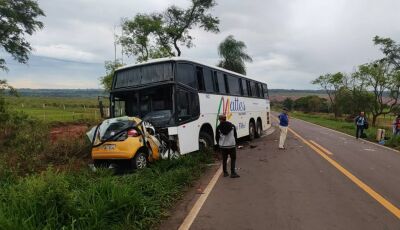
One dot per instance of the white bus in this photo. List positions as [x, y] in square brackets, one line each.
[183, 98]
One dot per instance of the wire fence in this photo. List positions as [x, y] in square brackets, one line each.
[63, 113]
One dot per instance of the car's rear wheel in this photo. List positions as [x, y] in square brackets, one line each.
[139, 161]
[205, 141]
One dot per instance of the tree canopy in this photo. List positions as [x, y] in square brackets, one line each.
[18, 18]
[110, 66]
[233, 55]
[332, 83]
[390, 49]
[158, 35]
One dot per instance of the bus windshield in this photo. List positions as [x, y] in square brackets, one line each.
[142, 75]
[152, 104]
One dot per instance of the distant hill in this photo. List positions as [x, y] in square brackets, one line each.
[76, 93]
[282, 94]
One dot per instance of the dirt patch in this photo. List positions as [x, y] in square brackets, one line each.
[68, 131]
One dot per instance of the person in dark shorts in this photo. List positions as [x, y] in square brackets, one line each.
[226, 139]
[361, 122]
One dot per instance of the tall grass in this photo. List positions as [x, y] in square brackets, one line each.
[88, 200]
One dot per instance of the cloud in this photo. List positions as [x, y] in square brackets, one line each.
[66, 52]
[291, 42]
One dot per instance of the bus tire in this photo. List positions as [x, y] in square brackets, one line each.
[252, 131]
[258, 129]
[139, 161]
[205, 141]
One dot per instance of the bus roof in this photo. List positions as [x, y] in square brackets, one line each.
[158, 60]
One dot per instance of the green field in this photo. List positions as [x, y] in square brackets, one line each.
[57, 109]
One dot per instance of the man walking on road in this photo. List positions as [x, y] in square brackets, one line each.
[360, 121]
[283, 126]
[226, 139]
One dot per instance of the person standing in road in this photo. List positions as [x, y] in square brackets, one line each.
[226, 137]
[283, 126]
[360, 121]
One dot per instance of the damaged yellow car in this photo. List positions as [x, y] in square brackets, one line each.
[125, 141]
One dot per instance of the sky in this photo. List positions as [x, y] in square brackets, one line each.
[291, 42]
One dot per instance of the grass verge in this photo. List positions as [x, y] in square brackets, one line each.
[347, 127]
[97, 200]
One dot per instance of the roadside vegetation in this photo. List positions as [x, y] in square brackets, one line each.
[84, 199]
[374, 88]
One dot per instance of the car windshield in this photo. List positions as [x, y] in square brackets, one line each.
[151, 104]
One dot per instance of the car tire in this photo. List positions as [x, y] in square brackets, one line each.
[205, 141]
[101, 163]
[252, 131]
[139, 161]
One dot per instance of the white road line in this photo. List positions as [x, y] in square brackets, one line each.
[188, 221]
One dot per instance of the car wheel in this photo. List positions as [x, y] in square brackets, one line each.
[252, 131]
[139, 161]
[101, 163]
[205, 141]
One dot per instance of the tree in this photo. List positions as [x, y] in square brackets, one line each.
[139, 34]
[17, 19]
[332, 83]
[288, 103]
[390, 49]
[310, 103]
[110, 66]
[179, 21]
[233, 55]
[360, 98]
[385, 85]
[156, 35]
[4, 86]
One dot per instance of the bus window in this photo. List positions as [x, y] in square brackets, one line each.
[259, 90]
[233, 85]
[216, 86]
[221, 83]
[200, 78]
[187, 105]
[185, 75]
[253, 88]
[265, 91]
[246, 92]
[208, 80]
[249, 89]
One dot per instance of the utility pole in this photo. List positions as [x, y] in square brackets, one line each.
[122, 48]
[115, 46]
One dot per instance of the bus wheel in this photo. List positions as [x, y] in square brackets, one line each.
[252, 131]
[205, 141]
[259, 129]
[139, 161]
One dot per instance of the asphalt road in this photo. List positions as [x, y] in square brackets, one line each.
[299, 188]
